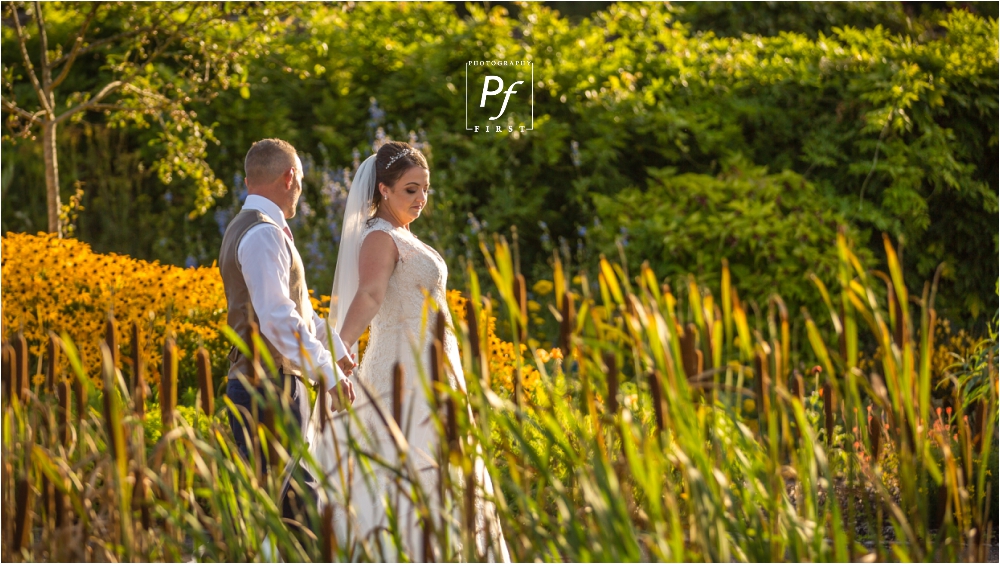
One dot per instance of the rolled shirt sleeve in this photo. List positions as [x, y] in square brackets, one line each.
[265, 263]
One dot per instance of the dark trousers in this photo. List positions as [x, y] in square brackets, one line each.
[303, 486]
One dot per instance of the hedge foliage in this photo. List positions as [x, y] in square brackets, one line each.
[891, 128]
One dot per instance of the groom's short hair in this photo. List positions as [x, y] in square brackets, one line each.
[267, 159]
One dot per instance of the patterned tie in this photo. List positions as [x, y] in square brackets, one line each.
[289, 233]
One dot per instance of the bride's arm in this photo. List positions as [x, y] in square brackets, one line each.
[376, 262]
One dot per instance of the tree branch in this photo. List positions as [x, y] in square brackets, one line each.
[30, 118]
[77, 43]
[117, 37]
[83, 106]
[14, 108]
[44, 59]
[22, 42]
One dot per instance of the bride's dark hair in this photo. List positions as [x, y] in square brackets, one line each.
[393, 159]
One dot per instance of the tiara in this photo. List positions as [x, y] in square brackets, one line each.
[398, 156]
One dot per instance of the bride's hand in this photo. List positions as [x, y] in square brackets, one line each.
[347, 365]
[342, 394]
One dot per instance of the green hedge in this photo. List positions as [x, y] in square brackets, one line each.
[894, 127]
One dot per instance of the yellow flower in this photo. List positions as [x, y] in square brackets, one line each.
[38, 379]
[749, 406]
[542, 287]
[63, 286]
[534, 306]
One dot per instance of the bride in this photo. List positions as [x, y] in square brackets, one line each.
[384, 277]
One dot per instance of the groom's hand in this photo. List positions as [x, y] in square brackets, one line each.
[342, 394]
[347, 365]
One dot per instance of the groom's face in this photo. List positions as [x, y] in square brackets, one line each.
[294, 190]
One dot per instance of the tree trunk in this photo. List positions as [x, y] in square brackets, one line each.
[52, 176]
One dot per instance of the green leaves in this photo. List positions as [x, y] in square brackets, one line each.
[891, 118]
[771, 228]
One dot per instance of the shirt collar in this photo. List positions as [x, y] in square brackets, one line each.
[260, 203]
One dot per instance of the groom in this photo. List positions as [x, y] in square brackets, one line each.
[264, 281]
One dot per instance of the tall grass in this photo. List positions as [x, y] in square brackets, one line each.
[679, 425]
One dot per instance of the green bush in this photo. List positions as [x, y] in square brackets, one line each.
[772, 228]
[894, 123]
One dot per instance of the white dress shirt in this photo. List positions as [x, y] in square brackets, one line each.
[265, 261]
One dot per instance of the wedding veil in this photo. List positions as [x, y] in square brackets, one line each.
[356, 213]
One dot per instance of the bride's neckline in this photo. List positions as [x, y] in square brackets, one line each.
[396, 228]
[410, 233]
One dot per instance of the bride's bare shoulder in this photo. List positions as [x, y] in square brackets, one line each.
[380, 243]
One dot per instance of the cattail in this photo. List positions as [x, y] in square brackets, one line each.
[425, 538]
[763, 387]
[62, 388]
[8, 361]
[568, 314]
[111, 338]
[24, 499]
[397, 394]
[327, 539]
[656, 391]
[21, 380]
[451, 430]
[168, 385]
[60, 508]
[875, 435]
[439, 327]
[80, 395]
[322, 403]
[828, 412]
[205, 382]
[138, 377]
[139, 496]
[52, 368]
[437, 364]
[688, 340]
[798, 387]
[136, 355]
[521, 297]
[473, 323]
[612, 368]
[470, 512]
[437, 354]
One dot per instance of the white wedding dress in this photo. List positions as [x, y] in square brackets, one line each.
[399, 332]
